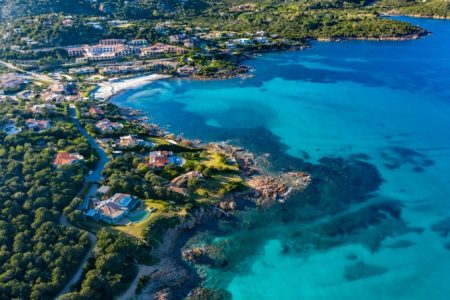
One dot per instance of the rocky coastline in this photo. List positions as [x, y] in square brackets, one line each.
[397, 13]
[402, 38]
[175, 276]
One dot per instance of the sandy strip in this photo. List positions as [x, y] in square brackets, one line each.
[110, 88]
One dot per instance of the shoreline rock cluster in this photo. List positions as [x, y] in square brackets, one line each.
[407, 37]
[265, 188]
[164, 280]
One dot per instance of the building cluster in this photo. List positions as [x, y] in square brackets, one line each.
[11, 81]
[137, 67]
[159, 49]
[96, 112]
[106, 126]
[186, 70]
[82, 71]
[10, 127]
[39, 109]
[60, 92]
[129, 141]
[110, 49]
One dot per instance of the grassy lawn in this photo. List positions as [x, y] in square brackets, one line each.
[217, 161]
[222, 179]
[158, 141]
[86, 91]
[215, 187]
[136, 229]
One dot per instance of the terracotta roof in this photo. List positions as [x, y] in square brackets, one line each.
[65, 158]
[112, 210]
[95, 111]
[41, 124]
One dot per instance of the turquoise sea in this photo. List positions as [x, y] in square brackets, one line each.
[371, 122]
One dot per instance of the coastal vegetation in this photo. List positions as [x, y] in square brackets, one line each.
[216, 35]
[169, 194]
[38, 255]
[110, 270]
[39, 250]
[431, 8]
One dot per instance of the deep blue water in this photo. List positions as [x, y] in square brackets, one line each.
[386, 104]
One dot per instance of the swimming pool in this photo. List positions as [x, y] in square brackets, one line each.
[138, 216]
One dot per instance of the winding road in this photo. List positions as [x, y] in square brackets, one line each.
[96, 174]
[93, 179]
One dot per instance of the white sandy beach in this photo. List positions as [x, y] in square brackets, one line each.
[110, 88]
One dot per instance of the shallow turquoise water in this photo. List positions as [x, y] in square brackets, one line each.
[388, 102]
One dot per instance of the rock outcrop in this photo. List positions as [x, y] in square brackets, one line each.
[228, 205]
[169, 276]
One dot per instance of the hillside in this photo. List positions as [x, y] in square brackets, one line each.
[18, 8]
[137, 9]
[429, 8]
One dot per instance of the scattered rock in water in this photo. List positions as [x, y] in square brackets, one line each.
[305, 155]
[447, 246]
[165, 294]
[361, 156]
[400, 244]
[368, 226]
[210, 294]
[362, 270]
[196, 255]
[418, 169]
[400, 156]
[352, 256]
[393, 165]
[442, 227]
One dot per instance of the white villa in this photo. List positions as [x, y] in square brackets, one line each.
[113, 209]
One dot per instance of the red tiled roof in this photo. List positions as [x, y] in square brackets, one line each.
[65, 158]
[112, 210]
[95, 111]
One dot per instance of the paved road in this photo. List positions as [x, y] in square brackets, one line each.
[97, 172]
[32, 74]
[94, 177]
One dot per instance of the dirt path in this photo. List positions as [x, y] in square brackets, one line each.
[77, 276]
[142, 270]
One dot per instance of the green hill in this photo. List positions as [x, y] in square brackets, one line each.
[18, 8]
